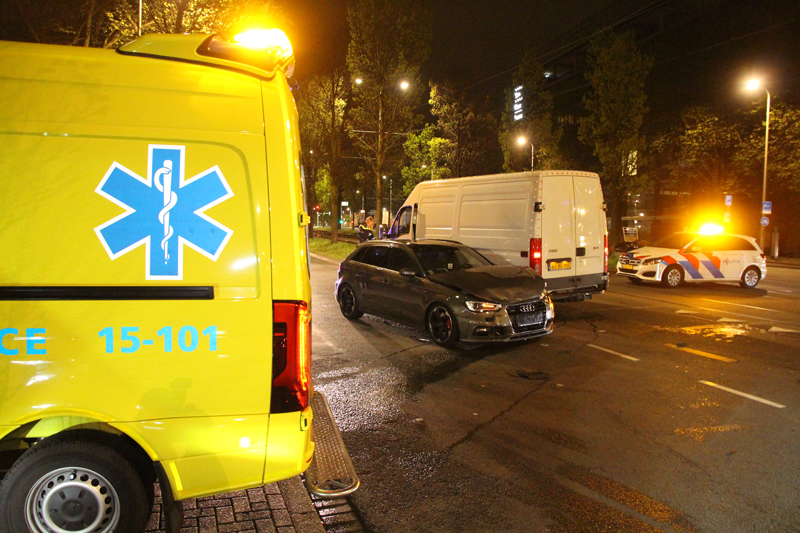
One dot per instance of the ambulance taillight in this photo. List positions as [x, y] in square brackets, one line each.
[536, 255]
[605, 252]
[291, 357]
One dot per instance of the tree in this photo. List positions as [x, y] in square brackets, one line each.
[389, 39]
[323, 106]
[191, 16]
[467, 129]
[536, 125]
[427, 157]
[616, 105]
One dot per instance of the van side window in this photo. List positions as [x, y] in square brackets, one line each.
[377, 256]
[402, 223]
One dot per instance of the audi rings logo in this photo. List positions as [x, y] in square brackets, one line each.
[527, 308]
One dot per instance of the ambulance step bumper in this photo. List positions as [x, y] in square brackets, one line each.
[331, 473]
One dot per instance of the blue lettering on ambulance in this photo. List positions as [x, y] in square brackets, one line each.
[164, 212]
[3, 349]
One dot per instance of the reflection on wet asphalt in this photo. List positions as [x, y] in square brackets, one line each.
[555, 436]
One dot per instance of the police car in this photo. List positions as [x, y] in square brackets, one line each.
[696, 257]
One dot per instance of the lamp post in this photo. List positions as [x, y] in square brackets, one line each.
[753, 85]
[390, 195]
[522, 141]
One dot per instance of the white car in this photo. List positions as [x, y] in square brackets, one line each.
[695, 257]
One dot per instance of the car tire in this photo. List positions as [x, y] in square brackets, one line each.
[750, 278]
[672, 276]
[83, 484]
[348, 304]
[442, 325]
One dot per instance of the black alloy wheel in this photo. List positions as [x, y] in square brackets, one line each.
[442, 325]
[348, 303]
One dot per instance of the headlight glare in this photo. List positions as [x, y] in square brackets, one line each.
[478, 307]
[651, 261]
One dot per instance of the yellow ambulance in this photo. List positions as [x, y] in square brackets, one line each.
[154, 289]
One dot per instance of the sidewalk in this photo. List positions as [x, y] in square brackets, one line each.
[789, 262]
[283, 507]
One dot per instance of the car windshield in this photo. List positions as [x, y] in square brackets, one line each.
[676, 240]
[437, 258]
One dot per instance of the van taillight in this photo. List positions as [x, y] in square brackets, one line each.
[605, 252]
[536, 255]
[291, 356]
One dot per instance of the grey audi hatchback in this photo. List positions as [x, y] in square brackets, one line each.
[446, 288]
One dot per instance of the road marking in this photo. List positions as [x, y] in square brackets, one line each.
[612, 352]
[774, 329]
[738, 305]
[704, 354]
[743, 394]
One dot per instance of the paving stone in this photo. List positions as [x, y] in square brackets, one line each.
[224, 515]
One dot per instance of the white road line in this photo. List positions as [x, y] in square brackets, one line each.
[612, 352]
[743, 394]
[740, 305]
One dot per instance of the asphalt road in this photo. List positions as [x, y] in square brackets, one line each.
[647, 409]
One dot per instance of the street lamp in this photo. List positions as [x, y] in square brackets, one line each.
[522, 141]
[753, 85]
[404, 85]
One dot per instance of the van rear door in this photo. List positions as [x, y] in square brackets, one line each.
[589, 226]
[558, 232]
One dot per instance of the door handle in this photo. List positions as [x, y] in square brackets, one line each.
[580, 252]
[384, 281]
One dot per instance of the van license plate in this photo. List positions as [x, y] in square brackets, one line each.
[559, 265]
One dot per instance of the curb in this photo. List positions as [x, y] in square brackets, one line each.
[324, 258]
[304, 515]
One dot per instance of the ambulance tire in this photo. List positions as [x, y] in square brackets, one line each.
[348, 303]
[672, 276]
[81, 483]
[442, 325]
[750, 278]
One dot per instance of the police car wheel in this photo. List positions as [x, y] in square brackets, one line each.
[442, 325]
[348, 303]
[750, 278]
[73, 486]
[672, 276]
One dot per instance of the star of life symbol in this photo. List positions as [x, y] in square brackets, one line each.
[171, 214]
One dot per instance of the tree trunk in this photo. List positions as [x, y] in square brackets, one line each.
[89, 16]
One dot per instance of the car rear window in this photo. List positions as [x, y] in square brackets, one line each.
[377, 256]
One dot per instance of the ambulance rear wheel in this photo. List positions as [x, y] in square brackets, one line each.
[672, 276]
[73, 486]
[750, 278]
[348, 303]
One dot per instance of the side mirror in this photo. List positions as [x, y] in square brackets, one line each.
[408, 273]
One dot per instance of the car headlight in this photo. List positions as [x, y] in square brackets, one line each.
[651, 261]
[550, 312]
[478, 307]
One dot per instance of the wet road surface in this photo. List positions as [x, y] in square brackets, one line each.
[646, 410]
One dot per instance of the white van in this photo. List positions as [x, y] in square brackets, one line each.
[552, 221]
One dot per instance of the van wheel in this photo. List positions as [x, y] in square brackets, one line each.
[750, 278]
[66, 486]
[348, 303]
[672, 276]
[442, 325]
